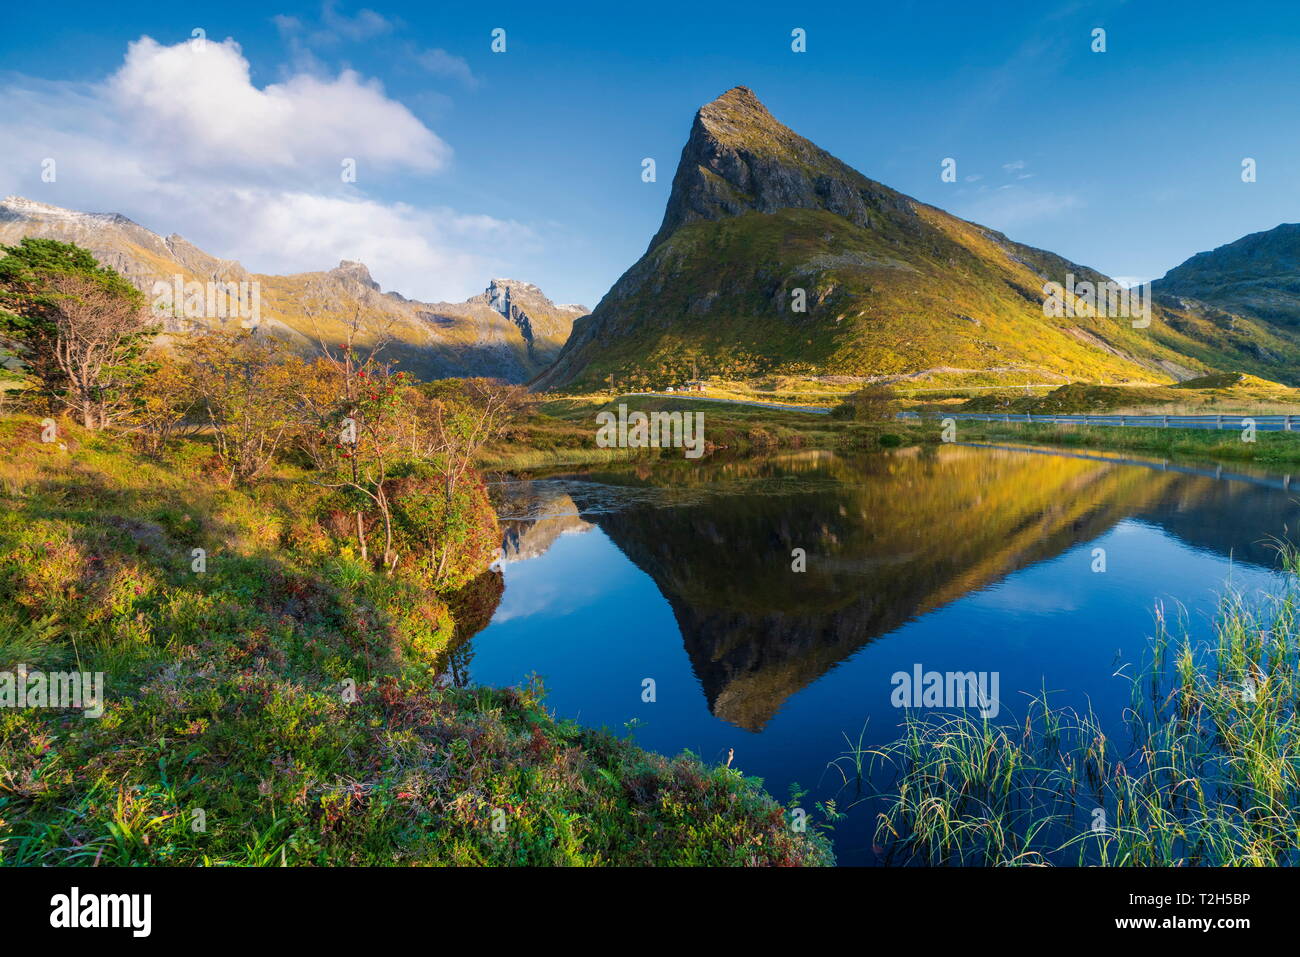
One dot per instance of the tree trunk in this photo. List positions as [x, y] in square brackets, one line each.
[361, 537]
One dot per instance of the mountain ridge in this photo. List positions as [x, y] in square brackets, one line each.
[758, 216]
[1257, 276]
[510, 331]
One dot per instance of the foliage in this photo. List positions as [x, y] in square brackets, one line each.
[450, 538]
[78, 327]
[875, 403]
[162, 402]
[226, 696]
[245, 388]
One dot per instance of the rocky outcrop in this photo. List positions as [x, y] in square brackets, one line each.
[739, 159]
[1256, 276]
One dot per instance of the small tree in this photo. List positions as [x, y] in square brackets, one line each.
[318, 412]
[370, 421]
[78, 327]
[876, 402]
[163, 402]
[244, 385]
[470, 413]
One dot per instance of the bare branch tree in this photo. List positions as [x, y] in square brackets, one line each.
[95, 332]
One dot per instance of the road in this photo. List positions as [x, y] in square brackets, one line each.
[1263, 423]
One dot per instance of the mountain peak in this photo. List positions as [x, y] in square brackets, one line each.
[1257, 276]
[739, 118]
[504, 283]
[775, 257]
[348, 269]
[737, 94]
[20, 207]
[740, 159]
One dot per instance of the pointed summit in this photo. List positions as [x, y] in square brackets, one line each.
[357, 272]
[776, 258]
[738, 116]
[739, 158]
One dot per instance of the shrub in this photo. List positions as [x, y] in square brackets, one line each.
[448, 537]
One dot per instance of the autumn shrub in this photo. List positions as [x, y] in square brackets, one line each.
[446, 536]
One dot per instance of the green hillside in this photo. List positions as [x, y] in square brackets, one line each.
[759, 218]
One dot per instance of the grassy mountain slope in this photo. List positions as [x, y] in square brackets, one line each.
[892, 286]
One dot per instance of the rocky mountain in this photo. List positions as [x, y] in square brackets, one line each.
[1256, 276]
[774, 256]
[511, 330]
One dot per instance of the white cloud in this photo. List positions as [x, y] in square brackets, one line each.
[183, 141]
[195, 104]
[283, 231]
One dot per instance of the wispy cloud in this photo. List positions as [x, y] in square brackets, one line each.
[441, 63]
[180, 139]
[1010, 207]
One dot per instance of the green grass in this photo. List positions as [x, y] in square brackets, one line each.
[230, 696]
[1207, 774]
[1268, 449]
[1227, 393]
[567, 435]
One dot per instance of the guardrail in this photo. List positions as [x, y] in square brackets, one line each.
[707, 398]
[1262, 423]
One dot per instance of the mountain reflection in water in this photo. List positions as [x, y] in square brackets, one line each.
[953, 557]
[887, 537]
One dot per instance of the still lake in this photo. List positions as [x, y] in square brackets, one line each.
[956, 558]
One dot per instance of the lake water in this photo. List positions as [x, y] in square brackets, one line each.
[957, 558]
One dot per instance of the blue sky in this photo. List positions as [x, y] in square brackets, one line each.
[473, 164]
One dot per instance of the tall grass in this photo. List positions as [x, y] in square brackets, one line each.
[1207, 772]
[1269, 448]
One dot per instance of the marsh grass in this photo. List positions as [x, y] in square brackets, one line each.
[1208, 773]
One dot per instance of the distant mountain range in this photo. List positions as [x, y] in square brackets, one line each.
[510, 331]
[773, 257]
[760, 221]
